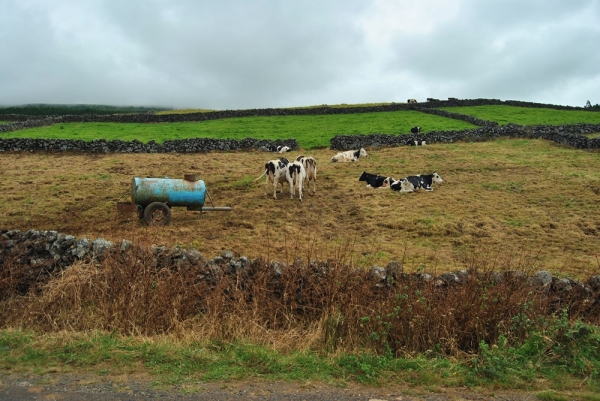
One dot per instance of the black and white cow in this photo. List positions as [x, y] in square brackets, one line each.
[425, 182]
[296, 174]
[349, 155]
[310, 168]
[376, 181]
[415, 130]
[411, 101]
[402, 185]
[278, 148]
[414, 142]
[276, 172]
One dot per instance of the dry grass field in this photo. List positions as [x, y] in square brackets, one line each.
[510, 203]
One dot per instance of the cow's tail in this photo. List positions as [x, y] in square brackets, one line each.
[262, 175]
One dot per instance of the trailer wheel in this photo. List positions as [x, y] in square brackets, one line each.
[157, 214]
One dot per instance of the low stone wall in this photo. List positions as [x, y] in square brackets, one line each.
[25, 122]
[192, 145]
[30, 259]
[456, 116]
[572, 135]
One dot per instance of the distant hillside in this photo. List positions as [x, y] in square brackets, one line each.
[75, 109]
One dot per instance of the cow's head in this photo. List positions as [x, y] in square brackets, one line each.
[436, 178]
[364, 176]
[388, 182]
[363, 152]
[284, 149]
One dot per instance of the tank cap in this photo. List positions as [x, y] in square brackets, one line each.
[190, 177]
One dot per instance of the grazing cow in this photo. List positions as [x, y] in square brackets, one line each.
[402, 185]
[414, 142]
[415, 130]
[411, 101]
[425, 181]
[349, 155]
[376, 181]
[277, 173]
[310, 168]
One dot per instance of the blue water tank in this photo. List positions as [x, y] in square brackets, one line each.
[188, 192]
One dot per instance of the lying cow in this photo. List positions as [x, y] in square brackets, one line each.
[274, 148]
[310, 168]
[278, 148]
[414, 142]
[376, 181]
[411, 101]
[402, 185]
[349, 155]
[425, 181]
[415, 130]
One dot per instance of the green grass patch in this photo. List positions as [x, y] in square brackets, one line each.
[526, 115]
[561, 349]
[310, 131]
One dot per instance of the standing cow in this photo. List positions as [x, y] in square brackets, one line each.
[275, 170]
[310, 168]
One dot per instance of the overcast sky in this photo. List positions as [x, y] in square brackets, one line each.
[234, 54]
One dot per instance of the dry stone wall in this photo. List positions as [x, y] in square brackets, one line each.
[572, 135]
[192, 145]
[28, 260]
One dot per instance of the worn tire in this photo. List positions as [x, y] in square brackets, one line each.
[157, 214]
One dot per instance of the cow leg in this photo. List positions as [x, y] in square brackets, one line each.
[292, 190]
[275, 182]
[267, 185]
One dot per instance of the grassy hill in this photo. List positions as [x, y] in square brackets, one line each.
[310, 131]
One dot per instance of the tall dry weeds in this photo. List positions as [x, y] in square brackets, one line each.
[328, 306]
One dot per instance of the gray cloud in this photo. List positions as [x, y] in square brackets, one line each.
[266, 53]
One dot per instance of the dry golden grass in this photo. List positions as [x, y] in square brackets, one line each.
[531, 201]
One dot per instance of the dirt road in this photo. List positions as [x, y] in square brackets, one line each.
[72, 387]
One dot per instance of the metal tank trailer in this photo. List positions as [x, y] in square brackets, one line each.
[153, 198]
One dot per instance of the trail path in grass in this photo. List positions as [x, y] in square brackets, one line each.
[72, 387]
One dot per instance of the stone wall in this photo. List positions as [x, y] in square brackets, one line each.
[572, 135]
[191, 145]
[30, 259]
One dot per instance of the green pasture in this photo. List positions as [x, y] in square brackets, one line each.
[527, 116]
[314, 131]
